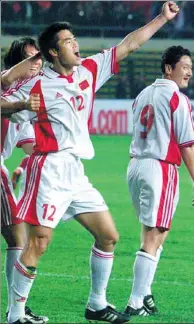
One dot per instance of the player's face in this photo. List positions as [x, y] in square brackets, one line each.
[182, 72]
[36, 66]
[68, 52]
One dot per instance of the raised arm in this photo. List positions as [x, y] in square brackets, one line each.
[137, 38]
[19, 71]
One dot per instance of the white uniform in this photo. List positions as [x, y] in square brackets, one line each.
[162, 124]
[11, 135]
[56, 181]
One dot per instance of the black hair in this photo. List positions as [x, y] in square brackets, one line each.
[16, 52]
[48, 38]
[172, 56]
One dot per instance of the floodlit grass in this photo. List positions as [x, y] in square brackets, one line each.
[61, 288]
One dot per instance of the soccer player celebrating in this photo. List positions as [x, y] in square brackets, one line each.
[62, 140]
[20, 135]
[23, 60]
[163, 133]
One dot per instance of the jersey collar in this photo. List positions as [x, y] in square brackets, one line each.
[166, 82]
[51, 74]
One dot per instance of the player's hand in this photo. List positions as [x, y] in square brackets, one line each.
[28, 66]
[16, 176]
[33, 103]
[193, 202]
[170, 10]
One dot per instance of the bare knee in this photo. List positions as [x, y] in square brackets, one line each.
[152, 239]
[41, 244]
[107, 241]
[38, 241]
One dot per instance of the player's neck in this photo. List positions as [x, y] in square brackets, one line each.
[63, 70]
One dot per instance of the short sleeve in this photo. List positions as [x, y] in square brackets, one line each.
[26, 134]
[102, 65]
[183, 123]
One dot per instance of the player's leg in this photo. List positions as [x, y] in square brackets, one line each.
[24, 272]
[144, 269]
[150, 198]
[101, 226]
[149, 291]
[42, 209]
[90, 210]
[13, 234]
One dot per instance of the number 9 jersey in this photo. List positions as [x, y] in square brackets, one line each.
[162, 123]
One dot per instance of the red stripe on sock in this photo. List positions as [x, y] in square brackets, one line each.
[102, 255]
[23, 271]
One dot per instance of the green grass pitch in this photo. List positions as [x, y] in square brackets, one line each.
[61, 288]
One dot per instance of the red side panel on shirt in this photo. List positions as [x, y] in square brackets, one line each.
[45, 137]
[4, 130]
[173, 154]
[114, 64]
[91, 65]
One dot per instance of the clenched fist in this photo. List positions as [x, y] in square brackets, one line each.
[170, 10]
[33, 103]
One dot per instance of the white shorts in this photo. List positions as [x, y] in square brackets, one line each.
[8, 200]
[154, 188]
[56, 187]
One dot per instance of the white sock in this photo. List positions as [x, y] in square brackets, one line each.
[158, 253]
[23, 279]
[143, 276]
[100, 270]
[12, 254]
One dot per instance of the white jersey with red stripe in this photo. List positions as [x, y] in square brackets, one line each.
[13, 135]
[162, 123]
[66, 104]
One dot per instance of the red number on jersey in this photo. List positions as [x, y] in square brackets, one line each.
[45, 213]
[146, 119]
[80, 100]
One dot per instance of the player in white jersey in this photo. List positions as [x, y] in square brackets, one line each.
[12, 135]
[62, 139]
[23, 60]
[20, 135]
[163, 133]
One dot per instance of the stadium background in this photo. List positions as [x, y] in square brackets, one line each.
[62, 285]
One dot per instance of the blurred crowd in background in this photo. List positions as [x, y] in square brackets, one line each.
[112, 19]
[102, 14]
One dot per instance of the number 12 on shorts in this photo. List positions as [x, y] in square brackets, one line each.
[48, 212]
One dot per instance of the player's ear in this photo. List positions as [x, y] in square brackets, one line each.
[53, 52]
[168, 69]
